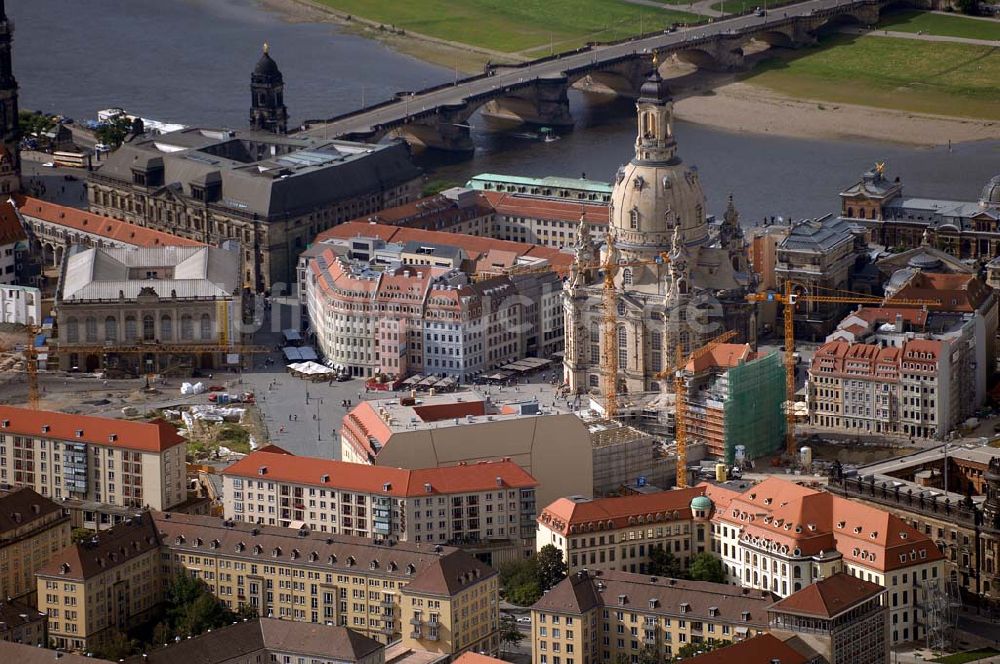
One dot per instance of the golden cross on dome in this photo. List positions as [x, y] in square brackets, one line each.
[266, 47]
[880, 167]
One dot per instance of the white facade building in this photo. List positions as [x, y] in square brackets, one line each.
[20, 305]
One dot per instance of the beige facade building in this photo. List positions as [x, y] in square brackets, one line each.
[32, 529]
[270, 194]
[433, 598]
[553, 446]
[486, 508]
[621, 533]
[600, 617]
[780, 536]
[62, 456]
[160, 300]
[109, 583]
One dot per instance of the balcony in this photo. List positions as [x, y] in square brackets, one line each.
[432, 635]
[416, 621]
[416, 634]
[434, 621]
[649, 639]
[387, 602]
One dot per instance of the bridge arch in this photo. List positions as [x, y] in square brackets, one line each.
[700, 58]
[776, 38]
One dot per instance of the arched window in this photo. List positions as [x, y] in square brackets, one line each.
[796, 572]
[72, 330]
[131, 328]
[91, 329]
[166, 328]
[850, 213]
[187, 327]
[148, 328]
[622, 347]
[110, 329]
[633, 218]
[206, 327]
[621, 308]
[627, 276]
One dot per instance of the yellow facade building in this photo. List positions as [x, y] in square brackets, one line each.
[608, 616]
[32, 529]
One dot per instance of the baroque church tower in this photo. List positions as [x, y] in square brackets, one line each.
[657, 209]
[10, 155]
[267, 96]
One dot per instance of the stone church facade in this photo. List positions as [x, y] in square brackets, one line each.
[676, 284]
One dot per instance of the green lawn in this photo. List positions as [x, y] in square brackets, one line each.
[924, 77]
[970, 656]
[739, 6]
[941, 24]
[516, 25]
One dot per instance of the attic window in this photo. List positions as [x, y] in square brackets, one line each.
[622, 600]
[373, 564]
[410, 569]
[685, 607]
[45, 428]
[841, 524]
[902, 536]
[902, 557]
[857, 529]
[5, 423]
[112, 438]
[653, 602]
[923, 553]
[79, 433]
[874, 534]
[713, 611]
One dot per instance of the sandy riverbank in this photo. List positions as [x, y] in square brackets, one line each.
[737, 106]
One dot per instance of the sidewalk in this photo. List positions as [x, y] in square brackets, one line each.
[919, 37]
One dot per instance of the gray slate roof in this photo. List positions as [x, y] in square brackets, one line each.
[264, 174]
[107, 273]
[820, 235]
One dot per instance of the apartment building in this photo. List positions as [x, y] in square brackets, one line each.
[21, 622]
[434, 598]
[270, 640]
[418, 312]
[843, 618]
[621, 533]
[63, 456]
[32, 529]
[486, 507]
[552, 446]
[782, 536]
[914, 389]
[109, 583]
[607, 616]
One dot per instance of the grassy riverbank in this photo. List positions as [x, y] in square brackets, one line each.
[945, 25]
[515, 25]
[938, 78]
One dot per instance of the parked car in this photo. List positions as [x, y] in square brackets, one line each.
[524, 620]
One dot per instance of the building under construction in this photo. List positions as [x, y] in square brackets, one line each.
[624, 455]
[734, 398]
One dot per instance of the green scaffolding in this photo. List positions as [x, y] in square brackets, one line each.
[753, 413]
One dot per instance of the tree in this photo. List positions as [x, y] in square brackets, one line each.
[247, 612]
[706, 567]
[161, 634]
[663, 563]
[510, 635]
[81, 534]
[551, 566]
[694, 649]
[192, 608]
[116, 646]
[967, 6]
[113, 133]
[519, 580]
[32, 123]
[649, 655]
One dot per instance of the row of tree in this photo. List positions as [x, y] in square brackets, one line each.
[524, 581]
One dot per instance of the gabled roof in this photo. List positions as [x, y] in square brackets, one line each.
[721, 356]
[25, 654]
[382, 480]
[568, 515]
[11, 230]
[829, 597]
[761, 649]
[155, 436]
[88, 222]
[104, 551]
[20, 507]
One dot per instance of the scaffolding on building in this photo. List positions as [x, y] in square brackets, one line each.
[753, 407]
[942, 602]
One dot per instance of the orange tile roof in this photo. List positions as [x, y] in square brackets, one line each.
[956, 292]
[829, 597]
[795, 516]
[565, 515]
[915, 317]
[470, 657]
[721, 356]
[88, 222]
[155, 436]
[11, 230]
[540, 208]
[382, 480]
[474, 245]
[761, 649]
[432, 211]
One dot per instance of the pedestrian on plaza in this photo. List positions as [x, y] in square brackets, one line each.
[289, 417]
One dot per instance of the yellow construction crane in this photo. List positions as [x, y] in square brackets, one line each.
[609, 317]
[788, 298]
[680, 401]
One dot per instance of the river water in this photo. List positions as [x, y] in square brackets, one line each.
[190, 60]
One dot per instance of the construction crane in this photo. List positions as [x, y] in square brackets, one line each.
[31, 367]
[680, 400]
[609, 316]
[788, 298]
